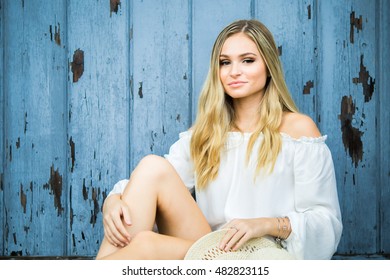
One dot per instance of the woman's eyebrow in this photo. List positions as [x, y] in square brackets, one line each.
[241, 55]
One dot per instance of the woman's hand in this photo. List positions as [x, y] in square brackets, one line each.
[116, 215]
[241, 230]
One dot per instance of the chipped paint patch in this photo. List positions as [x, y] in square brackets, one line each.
[95, 200]
[114, 6]
[77, 65]
[351, 136]
[71, 216]
[1, 182]
[309, 85]
[355, 23]
[10, 153]
[55, 186]
[23, 198]
[56, 36]
[85, 190]
[25, 122]
[366, 80]
[72, 153]
[140, 94]
[96, 207]
[16, 253]
[280, 50]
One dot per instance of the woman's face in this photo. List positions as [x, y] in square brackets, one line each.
[243, 72]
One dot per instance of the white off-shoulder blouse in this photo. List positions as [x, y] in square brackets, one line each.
[302, 187]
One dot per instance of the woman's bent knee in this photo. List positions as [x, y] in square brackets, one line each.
[154, 166]
[154, 161]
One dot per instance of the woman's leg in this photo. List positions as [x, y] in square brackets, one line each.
[155, 193]
[148, 245]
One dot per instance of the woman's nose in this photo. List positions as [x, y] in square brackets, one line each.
[235, 70]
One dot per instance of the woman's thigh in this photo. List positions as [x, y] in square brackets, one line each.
[148, 245]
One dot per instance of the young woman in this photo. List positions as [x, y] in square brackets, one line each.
[257, 165]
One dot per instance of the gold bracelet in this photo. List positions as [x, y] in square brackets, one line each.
[278, 239]
[286, 228]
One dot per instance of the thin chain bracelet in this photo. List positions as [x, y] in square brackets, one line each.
[278, 239]
[288, 229]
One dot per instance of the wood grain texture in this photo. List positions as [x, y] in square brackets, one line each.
[97, 115]
[293, 25]
[34, 128]
[347, 65]
[383, 123]
[208, 19]
[2, 107]
[160, 74]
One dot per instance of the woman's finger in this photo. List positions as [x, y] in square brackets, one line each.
[112, 232]
[126, 215]
[120, 231]
[240, 242]
[116, 227]
[234, 239]
[109, 238]
[227, 237]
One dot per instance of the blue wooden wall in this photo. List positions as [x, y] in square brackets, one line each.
[87, 88]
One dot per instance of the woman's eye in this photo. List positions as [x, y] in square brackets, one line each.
[248, 60]
[224, 62]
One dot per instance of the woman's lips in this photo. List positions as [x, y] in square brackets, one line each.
[236, 83]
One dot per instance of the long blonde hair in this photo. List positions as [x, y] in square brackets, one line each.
[215, 108]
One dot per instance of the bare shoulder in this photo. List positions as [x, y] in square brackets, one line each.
[298, 125]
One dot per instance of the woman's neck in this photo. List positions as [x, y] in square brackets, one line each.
[246, 116]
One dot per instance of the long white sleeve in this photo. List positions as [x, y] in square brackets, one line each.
[316, 221]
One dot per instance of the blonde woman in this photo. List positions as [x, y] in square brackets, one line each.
[259, 168]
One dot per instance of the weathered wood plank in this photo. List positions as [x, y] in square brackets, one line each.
[293, 25]
[160, 75]
[208, 19]
[383, 121]
[98, 114]
[347, 68]
[2, 108]
[35, 128]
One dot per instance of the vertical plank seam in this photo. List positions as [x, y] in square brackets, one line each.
[190, 63]
[378, 128]
[67, 245]
[315, 14]
[253, 8]
[2, 96]
[130, 32]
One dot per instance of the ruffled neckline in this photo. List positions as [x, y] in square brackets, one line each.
[233, 135]
[285, 136]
